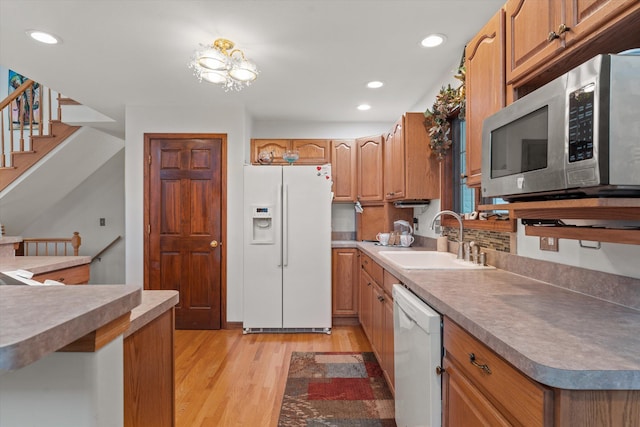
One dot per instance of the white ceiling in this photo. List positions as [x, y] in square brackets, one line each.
[315, 56]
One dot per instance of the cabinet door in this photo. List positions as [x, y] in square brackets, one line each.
[463, 404]
[365, 307]
[421, 167]
[485, 89]
[377, 322]
[344, 282]
[394, 166]
[387, 342]
[369, 169]
[312, 151]
[343, 170]
[528, 24]
[587, 16]
[276, 147]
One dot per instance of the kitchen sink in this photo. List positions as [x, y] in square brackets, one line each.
[430, 260]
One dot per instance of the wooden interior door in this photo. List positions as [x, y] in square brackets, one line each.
[184, 205]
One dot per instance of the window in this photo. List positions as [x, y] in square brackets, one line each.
[455, 195]
[463, 196]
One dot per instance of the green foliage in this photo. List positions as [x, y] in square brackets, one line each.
[437, 118]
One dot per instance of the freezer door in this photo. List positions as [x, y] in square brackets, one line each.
[306, 233]
[262, 257]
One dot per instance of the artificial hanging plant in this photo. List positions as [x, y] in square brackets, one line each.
[437, 119]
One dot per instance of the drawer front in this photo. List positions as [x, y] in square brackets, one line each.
[373, 268]
[525, 401]
[78, 275]
[389, 280]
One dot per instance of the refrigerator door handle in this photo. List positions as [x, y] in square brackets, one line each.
[285, 225]
[279, 205]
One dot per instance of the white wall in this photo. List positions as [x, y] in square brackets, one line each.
[99, 196]
[158, 119]
[612, 258]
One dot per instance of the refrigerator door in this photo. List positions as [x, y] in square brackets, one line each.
[262, 247]
[306, 297]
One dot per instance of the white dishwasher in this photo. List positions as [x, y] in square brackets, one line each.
[418, 355]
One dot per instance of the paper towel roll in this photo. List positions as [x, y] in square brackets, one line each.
[443, 244]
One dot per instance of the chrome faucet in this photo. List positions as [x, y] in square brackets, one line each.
[460, 235]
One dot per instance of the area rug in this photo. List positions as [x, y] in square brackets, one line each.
[336, 389]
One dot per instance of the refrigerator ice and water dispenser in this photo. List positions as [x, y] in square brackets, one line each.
[262, 229]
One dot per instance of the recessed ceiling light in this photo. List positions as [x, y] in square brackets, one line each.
[433, 40]
[364, 107]
[375, 84]
[43, 37]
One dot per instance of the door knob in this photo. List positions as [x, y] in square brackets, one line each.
[214, 244]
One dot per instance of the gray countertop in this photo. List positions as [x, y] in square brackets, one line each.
[154, 303]
[555, 336]
[41, 264]
[38, 320]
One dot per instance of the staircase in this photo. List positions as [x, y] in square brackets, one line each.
[41, 165]
[21, 147]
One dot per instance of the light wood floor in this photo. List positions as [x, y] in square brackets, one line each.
[225, 378]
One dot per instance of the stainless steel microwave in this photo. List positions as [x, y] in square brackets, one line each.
[576, 136]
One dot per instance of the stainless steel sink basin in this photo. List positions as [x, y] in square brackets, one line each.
[430, 260]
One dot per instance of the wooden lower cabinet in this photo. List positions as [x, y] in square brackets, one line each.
[376, 315]
[366, 298]
[78, 275]
[149, 374]
[482, 389]
[344, 283]
[463, 403]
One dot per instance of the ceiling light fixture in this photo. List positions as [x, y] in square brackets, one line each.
[375, 84]
[364, 107]
[214, 63]
[43, 37]
[433, 40]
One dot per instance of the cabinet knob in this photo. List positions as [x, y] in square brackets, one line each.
[562, 28]
[439, 370]
[380, 298]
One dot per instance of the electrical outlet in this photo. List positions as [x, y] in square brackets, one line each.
[549, 244]
[103, 222]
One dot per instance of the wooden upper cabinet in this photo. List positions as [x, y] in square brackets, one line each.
[312, 151]
[276, 147]
[552, 36]
[369, 169]
[528, 24]
[394, 185]
[411, 171]
[588, 16]
[343, 170]
[485, 89]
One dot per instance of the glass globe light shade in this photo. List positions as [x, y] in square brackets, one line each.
[212, 59]
[217, 77]
[244, 71]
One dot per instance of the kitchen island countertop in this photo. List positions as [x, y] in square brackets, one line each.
[38, 320]
[555, 336]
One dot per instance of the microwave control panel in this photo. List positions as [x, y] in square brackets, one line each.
[581, 123]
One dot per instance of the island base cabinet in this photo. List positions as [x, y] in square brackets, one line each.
[149, 374]
[77, 389]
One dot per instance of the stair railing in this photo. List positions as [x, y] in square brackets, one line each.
[28, 121]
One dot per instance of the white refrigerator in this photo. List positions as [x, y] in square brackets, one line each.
[287, 249]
